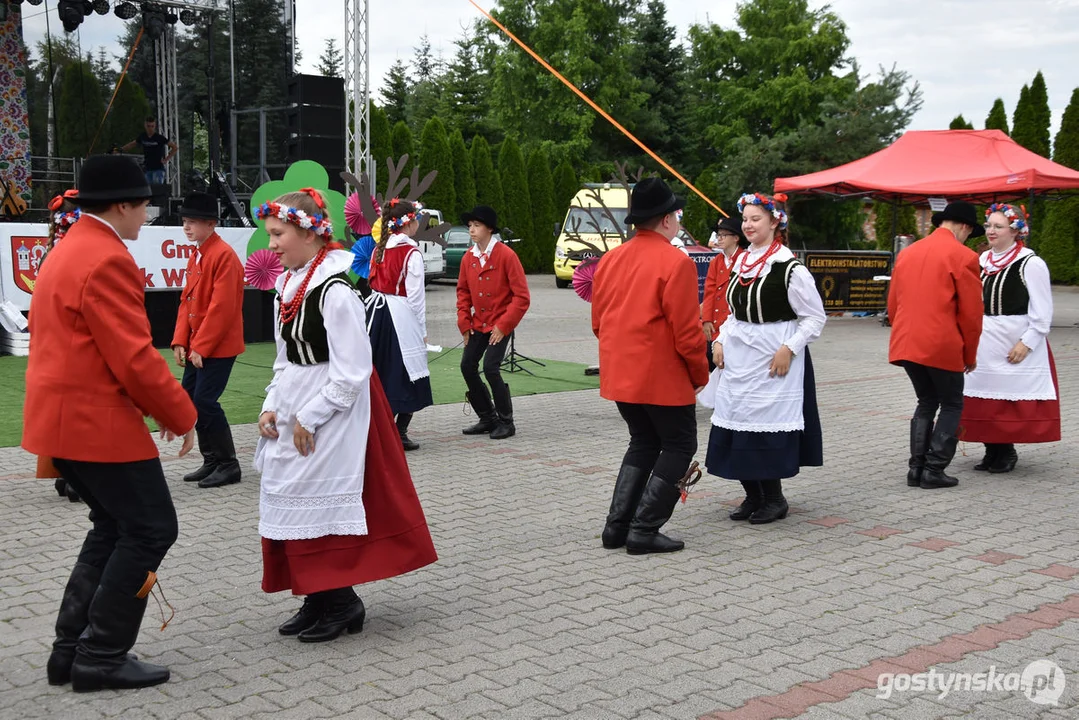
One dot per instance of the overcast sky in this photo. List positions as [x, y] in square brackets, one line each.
[965, 53]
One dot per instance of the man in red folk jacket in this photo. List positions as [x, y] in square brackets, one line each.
[652, 355]
[92, 375]
[209, 335]
[492, 297]
[935, 306]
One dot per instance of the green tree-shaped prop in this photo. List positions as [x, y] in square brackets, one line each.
[305, 173]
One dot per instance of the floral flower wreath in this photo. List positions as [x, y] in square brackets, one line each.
[62, 221]
[768, 203]
[1017, 218]
[398, 223]
[319, 223]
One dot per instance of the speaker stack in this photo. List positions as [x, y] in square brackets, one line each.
[316, 123]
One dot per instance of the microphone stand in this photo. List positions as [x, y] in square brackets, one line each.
[512, 361]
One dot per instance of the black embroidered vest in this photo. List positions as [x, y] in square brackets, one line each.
[1005, 292]
[763, 300]
[305, 334]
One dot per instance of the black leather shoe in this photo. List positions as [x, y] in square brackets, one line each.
[335, 620]
[991, 452]
[752, 503]
[935, 479]
[504, 429]
[305, 617]
[61, 486]
[72, 494]
[409, 444]
[775, 505]
[1005, 461]
[227, 471]
[483, 427]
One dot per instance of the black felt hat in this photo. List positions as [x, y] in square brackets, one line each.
[199, 205]
[960, 212]
[483, 214]
[111, 178]
[733, 226]
[651, 198]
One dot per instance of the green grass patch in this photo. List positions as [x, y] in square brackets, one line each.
[246, 390]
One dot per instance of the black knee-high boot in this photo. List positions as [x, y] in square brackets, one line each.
[628, 489]
[71, 621]
[656, 507]
[775, 505]
[1005, 460]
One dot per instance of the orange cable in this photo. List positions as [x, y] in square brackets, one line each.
[598, 109]
[120, 81]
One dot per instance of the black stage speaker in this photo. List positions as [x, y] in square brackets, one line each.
[315, 122]
[258, 315]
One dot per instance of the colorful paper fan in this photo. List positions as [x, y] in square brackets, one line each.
[262, 269]
[582, 278]
[354, 215]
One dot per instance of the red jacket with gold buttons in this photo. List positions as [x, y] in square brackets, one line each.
[495, 295]
[645, 313]
[210, 320]
[93, 372]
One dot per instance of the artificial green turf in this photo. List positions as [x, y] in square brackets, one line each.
[246, 389]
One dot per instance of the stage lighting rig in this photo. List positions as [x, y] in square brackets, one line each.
[35, 2]
[155, 19]
[188, 17]
[101, 7]
[72, 12]
[126, 10]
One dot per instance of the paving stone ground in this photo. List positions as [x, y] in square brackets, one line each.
[526, 616]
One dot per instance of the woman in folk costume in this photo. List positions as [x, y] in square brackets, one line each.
[1011, 395]
[765, 424]
[64, 215]
[730, 242]
[330, 517]
[397, 315]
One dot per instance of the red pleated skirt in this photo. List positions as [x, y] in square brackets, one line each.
[1012, 421]
[397, 539]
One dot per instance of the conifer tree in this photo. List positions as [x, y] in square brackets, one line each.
[1060, 235]
[541, 193]
[1024, 130]
[517, 206]
[464, 180]
[488, 182]
[401, 138]
[435, 155]
[997, 118]
[960, 123]
[566, 186]
[1041, 115]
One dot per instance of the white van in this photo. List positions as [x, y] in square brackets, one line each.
[434, 257]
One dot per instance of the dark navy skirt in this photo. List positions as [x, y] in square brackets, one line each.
[743, 455]
[405, 396]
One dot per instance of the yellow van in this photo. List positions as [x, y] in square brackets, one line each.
[588, 231]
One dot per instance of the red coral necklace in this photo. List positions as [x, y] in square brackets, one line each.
[992, 267]
[759, 263]
[290, 308]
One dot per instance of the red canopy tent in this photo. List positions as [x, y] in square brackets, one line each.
[976, 165]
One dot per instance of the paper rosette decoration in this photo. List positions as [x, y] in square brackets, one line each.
[354, 215]
[582, 278]
[262, 269]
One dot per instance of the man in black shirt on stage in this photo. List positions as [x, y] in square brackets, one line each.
[157, 150]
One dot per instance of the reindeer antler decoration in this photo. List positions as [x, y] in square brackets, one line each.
[395, 184]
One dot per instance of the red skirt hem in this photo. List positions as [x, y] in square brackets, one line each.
[397, 539]
[1012, 421]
